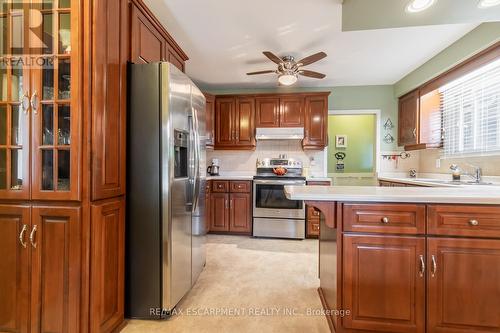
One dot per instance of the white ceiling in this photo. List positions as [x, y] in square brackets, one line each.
[224, 40]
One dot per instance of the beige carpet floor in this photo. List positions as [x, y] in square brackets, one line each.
[250, 285]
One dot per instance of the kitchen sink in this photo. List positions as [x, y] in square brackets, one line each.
[452, 182]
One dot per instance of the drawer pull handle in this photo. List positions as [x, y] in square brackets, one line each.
[474, 222]
[385, 220]
[434, 266]
[422, 266]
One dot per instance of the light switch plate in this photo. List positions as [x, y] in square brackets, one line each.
[438, 163]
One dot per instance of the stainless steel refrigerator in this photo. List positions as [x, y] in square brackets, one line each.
[166, 176]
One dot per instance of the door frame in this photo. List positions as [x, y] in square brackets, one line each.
[378, 114]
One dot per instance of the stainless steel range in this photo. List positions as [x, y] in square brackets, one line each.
[273, 214]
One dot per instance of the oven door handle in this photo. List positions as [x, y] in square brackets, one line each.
[279, 182]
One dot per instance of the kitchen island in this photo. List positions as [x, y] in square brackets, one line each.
[408, 259]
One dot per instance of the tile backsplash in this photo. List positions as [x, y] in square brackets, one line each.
[245, 160]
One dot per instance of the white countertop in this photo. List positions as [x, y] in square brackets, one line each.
[466, 194]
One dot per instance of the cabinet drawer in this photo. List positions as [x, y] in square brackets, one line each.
[220, 186]
[472, 221]
[385, 218]
[313, 213]
[241, 186]
[313, 227]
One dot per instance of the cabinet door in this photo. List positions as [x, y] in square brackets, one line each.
[109, 98]
[244, 122]
[56, 269]
[267, 112]
[384, 283]
[224, 122]
[14, 102]
[219, 212]
[407, 119]
[292, 111]
[463, 288]
[56, 104]
[316, 122]
[107, 265]
[146, 43]
[240, 212]
[14, 268]
[209, 119]
[174, 58]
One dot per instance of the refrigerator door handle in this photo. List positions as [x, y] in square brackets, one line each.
[196, 187]
[191, 163]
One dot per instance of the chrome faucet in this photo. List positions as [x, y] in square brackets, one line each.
[478, 174]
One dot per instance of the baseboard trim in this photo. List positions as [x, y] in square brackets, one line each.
[325, 307]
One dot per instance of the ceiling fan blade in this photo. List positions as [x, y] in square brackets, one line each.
[312, 58]
[273, 57]
[312, 74]
[261, 72]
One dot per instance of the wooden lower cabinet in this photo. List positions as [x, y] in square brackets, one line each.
[384, 283]
[107, 265]
[463, 286]
[55, 245]
[231, 207]
[14, 268]
[219, 212]
[240, 213]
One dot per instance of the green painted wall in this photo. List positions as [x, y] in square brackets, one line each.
[475, 41]
[360, 151]
[345, 98]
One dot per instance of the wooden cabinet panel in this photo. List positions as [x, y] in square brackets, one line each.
[107, 265]
[208, 205]
[220, 186]
[292, 111]
[146, 42]
[219, 212]
[224, 122]
[316, 122]
[244, 125]
[267, 112]
[55, 269]
[209, 119]
[408, 119]
[471, 221]
[240, 212]
[313, 215]
[174, 58]
[109, 101]
[242, 186]
[463, 286]
[384, 283]
[384, 218]
[14, 268]
[430, 119]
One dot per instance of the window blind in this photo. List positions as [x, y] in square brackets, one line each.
[470, 108]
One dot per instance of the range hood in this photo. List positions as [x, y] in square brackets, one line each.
[280, 133]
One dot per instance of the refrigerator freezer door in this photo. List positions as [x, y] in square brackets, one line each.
[176, 191]
[198, 223]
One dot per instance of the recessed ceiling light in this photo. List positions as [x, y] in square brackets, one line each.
[416, 6]
[488, 3]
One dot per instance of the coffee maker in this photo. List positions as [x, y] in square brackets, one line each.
[213, 170]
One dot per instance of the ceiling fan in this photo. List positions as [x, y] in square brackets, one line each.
[289, 69]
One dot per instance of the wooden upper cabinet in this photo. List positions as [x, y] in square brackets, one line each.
[224, 121]
[108, 265]
[209, 117]
[244, 122]
[408, 114]
[267, 112]
[384, 284]
[463, 288]
[146, 42]
[292, 111]
[109, 100]
[174, 58]
[316, 122]
[15, 227]
[56, 269]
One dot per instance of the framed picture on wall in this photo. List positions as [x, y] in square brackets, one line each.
[341, 141]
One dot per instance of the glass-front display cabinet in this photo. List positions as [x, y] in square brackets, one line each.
[39, 106]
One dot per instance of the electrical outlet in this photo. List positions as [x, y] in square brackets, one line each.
[438, 163]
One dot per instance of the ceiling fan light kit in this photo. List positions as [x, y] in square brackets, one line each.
[289, 70]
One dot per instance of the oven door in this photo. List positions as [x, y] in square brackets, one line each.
[269, 199]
